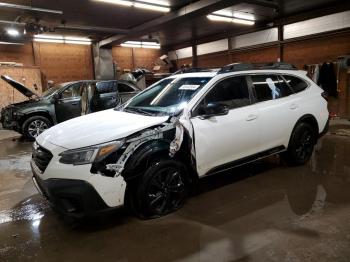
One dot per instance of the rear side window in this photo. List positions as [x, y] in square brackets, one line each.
[106, 87]
[232, 92]
[270, 87]
[123, 88]
[296, 83]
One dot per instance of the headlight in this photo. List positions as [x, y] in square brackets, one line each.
[88, 155]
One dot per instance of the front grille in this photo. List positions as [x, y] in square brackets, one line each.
[41, 157]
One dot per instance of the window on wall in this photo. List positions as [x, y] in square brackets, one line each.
[232, 92]
[270, 87]
[296, 83]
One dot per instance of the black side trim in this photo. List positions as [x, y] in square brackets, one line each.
[245, 160]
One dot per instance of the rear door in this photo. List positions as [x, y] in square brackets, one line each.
[106, 95]
[68, 105]
[275, 104]
[126, 92]
[220, 140]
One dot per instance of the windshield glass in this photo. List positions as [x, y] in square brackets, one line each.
[167, 97]
[52, 90]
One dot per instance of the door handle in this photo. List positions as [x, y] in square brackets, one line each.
[293, 106]
[251, 117]
[74, 103]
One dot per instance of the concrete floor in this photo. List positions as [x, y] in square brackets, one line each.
[265, 211]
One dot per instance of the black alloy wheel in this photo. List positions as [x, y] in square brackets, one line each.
[301, 145]
[162, 189]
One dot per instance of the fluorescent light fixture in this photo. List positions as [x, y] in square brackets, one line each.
[117, 2]
[60, 39]
[12, 32]
[235, 14]
[157, 2]
[219, 18]
[245, 16]
[229, 19]
[10, 43]
[141, 44]
[152, 7]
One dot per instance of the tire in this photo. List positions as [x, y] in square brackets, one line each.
[34, 126]
[162, 189]
[301, 145]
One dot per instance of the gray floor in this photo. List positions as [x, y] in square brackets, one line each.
[265, 211]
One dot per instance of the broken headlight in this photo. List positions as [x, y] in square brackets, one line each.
[88, 155]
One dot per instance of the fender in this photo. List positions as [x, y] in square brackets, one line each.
[310, 119]
[39, 112]
[143, 155]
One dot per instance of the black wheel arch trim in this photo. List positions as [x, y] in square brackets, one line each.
[310, 119]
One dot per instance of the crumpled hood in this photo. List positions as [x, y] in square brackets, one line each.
[97, 128]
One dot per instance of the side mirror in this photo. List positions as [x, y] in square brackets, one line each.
[213, 109]
[55, 98]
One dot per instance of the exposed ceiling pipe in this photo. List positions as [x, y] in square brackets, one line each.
[29, 8]
[92, 29]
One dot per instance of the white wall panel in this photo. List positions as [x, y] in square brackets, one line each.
[256, 38]
[317, 25]
[180, 53]
[212, 47]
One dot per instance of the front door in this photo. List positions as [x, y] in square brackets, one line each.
[223, 139]
[68, 105]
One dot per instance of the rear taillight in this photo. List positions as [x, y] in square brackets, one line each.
[325, 95]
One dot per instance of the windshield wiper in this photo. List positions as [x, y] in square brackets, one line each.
[137, 110]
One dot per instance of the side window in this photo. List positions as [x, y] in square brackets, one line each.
[232, 92]
[269, 87]
[296, 83]
[72, 91]
[123, 88]
[106, 87]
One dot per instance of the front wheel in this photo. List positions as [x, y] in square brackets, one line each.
[34, 126]
[163, 189]
[301, 145]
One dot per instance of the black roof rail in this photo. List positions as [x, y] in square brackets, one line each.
[261, 66]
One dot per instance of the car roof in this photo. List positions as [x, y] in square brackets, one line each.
[196, 74]
[301, 73]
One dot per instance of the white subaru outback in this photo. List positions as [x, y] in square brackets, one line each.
[150, 151]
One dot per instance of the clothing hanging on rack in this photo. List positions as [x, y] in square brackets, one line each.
[327, 79]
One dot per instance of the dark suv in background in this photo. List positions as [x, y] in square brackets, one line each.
[59, 103]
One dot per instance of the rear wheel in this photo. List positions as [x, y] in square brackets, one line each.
[34, 126]
[163, 189]
[301, 145]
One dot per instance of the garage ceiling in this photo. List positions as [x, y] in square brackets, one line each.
[116, 23]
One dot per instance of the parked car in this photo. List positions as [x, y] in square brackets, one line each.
[150, 151]
[58, 104]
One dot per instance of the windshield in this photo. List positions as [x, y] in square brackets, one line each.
[167, 97]
[52, 90]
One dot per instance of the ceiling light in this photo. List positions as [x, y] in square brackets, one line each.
[12, 32]
[10, 43]
[242, 21]
[139, 44]
[245, 16]
[152, 7]
[219, 18]
[157, 2]
[118, 2]
[231, 20]
[62, 39]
